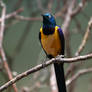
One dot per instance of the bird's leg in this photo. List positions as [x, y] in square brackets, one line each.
[59, 56]
[43, 62]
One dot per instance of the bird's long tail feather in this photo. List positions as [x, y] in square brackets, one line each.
[59, 71]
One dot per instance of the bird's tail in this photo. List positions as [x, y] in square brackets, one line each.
[59, 72]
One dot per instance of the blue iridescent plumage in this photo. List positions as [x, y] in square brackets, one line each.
[52, 41]
[48, 21]
[62, 40]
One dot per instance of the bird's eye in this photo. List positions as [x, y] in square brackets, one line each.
[49, 16]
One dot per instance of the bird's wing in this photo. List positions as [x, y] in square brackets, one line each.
[62, 40]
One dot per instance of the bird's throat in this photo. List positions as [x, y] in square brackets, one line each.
[48, 31]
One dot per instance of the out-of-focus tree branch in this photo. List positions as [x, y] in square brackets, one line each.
[2, 53]
[85, 38]
[81, 46]
[41, 66]
[78, 74]
[13, 14]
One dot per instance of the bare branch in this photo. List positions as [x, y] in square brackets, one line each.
[13, 14]
[81, 47]
[78, 74]
[18, 17]
[79, 8]
[41, 66]
[2, 53]
[68, 16]
[83, 43]
[53, 84]
[2, 22]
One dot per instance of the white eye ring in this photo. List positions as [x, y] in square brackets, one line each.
[49, 16]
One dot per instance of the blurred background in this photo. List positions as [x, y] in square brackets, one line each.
[23, 49]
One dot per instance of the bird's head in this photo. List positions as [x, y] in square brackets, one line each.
[48, 20]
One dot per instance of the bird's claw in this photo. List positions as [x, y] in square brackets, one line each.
[60, 56]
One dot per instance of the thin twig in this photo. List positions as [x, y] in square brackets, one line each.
[78, 74]
[81, 47]
[19, 17]
[13, 14]
[53, 84]
[41, 66]
[65, 27]
[2, 53]
[79, 8]
[83, 43]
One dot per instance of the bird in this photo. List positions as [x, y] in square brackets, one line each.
[53, 43]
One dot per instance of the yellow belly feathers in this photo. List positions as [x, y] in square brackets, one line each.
[51, 43]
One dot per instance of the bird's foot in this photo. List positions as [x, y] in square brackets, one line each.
[60, 56]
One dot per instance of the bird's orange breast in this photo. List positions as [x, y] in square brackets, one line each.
[51, 43]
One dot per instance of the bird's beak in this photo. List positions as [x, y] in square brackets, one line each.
[44, 17]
